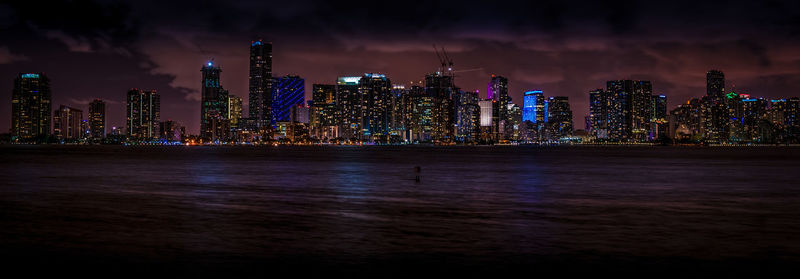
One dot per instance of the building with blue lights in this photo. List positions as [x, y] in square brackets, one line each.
[287, 91]
[533, 107]
[30, 108]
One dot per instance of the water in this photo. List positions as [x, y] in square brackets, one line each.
[358, 211]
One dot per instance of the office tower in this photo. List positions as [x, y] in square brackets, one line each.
[260, 80]
[398, 123]
[467, 116]
[143, 114]
[287, 91]
[658, 118]
[628, 110]
[513, 122]
[489, 120]
[559, 117]
[418, 115]
[717, 118]
[97, 118]
[440, 89]
[325, 114]
[792, 120]
[598, 113]
[30, 107]
[349, 107]
[715, 84]
[67, 123]
[658, 104]
[376, 99]
[234, 110]
[533, 106]
[498, 90]
[214, 122]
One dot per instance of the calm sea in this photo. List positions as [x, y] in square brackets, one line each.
[359, 211]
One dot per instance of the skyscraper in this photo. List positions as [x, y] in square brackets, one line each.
[440, 88]
[234, 110]
[214, 123]
[287, 91]
[498, 91]
[325, 114]
[598, 113]
[658, 118]
[467, 116]
[715, 84]
[533, 106]
[628, 110]
[30, 107]
[67, 123]
[349, 107]
[260, 98]
[143, 114]
[376, 103]
[97, 118]
[559, 117]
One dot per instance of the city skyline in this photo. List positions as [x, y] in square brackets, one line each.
[103, 57]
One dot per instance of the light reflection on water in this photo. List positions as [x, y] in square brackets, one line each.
[354, 205]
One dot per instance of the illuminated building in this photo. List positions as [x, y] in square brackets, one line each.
[715, 84]
[214, 123]
[287, 92]
[658, 118]
[260, 81]
[349, 107]
[31, 107]
[143, 114]
[376, 100]
[467, 116]
[559, 117]
[440, 89]
[598, 114]
[97, 118]
[234, 110]
[398, 122]
[628, 110]
[325, 113]
[533, 104]
[498, 91]
[67, 123]
[717, 118]
[489, 120]
[419, 115]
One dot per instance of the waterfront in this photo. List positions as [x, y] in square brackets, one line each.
[355, 210]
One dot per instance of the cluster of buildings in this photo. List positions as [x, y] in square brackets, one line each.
[369, 108]
[734, 118]
[627, 111]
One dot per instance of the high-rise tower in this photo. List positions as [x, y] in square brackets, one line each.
[260, 98]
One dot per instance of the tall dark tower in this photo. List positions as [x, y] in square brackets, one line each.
[715, 84]
[260, 106]
[97, 118]
[30, 107]
[214, 105]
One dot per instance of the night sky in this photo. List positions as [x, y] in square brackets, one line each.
[93, 49]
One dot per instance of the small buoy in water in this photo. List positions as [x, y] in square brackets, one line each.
[417, 170]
